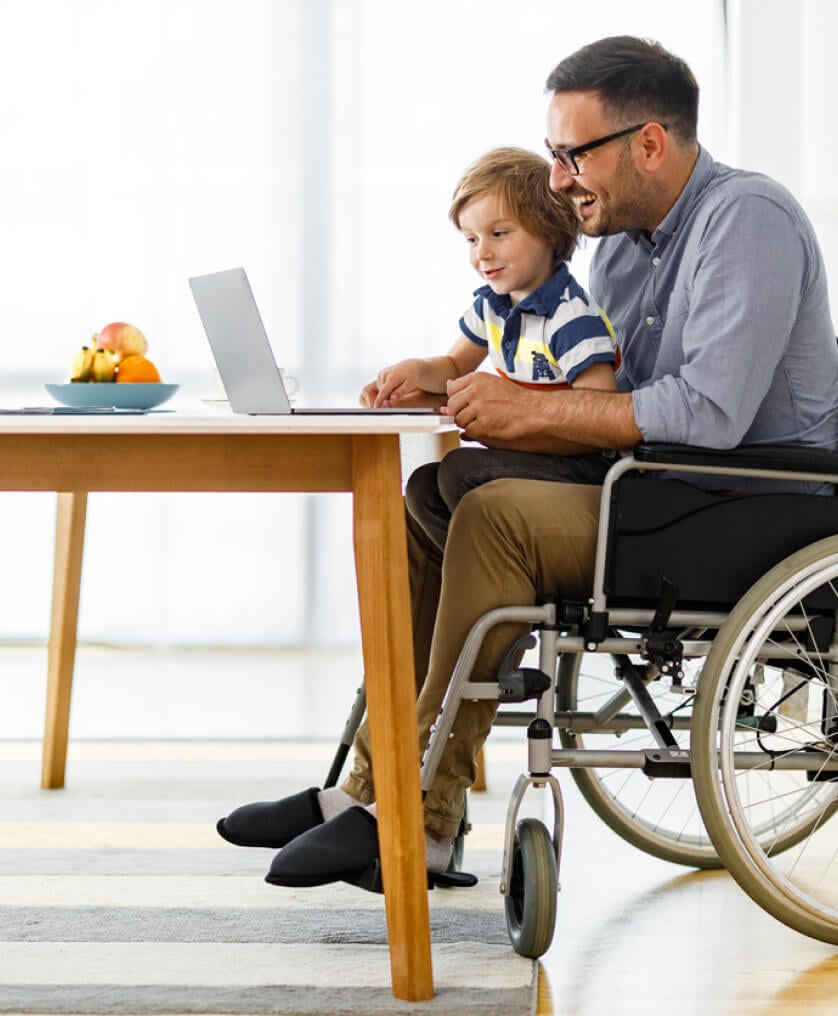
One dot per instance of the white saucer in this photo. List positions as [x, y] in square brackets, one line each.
[221, 405]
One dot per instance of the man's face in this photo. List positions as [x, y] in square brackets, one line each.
[609, 190]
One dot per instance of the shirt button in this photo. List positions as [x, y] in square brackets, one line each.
[656, 261]
[650, 320]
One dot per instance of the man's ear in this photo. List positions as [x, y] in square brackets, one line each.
[654, 144]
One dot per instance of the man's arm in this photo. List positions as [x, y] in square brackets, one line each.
[737, 316]
[558, 422]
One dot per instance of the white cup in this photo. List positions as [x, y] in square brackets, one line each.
[290, 382]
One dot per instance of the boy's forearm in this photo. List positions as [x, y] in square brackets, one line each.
[436, 372]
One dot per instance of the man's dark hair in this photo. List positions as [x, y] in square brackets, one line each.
[637, 81]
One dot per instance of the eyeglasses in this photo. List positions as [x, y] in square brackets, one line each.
[566, 157]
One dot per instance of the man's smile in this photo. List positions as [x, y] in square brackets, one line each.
[583, 201]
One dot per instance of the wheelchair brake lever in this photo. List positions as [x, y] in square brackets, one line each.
[666, 604]
[518, 684]
[661, 647]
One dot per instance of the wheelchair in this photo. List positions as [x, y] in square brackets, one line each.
[694, 697]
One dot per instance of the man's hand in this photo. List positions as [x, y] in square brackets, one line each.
[488, 408]
[501, 414]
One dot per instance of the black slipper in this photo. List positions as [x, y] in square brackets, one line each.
[340, 848]
[345, 849]
[370, 879]
[272, 823]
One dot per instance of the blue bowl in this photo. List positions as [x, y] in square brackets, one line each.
[90, 394]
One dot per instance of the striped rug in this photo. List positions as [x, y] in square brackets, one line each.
[117, 896]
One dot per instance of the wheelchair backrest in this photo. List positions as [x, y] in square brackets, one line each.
[711, 545]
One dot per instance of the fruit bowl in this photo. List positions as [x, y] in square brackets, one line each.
[112, 394]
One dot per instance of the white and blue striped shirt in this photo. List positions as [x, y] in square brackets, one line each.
[549, 338]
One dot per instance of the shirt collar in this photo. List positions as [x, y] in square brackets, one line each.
[542, 301]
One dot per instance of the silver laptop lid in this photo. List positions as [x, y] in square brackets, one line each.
[239, 342]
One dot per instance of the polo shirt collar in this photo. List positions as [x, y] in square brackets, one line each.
[542, 301]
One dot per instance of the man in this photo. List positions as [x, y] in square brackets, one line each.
[717, 291]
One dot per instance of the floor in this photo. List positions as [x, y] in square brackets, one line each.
[633, 932]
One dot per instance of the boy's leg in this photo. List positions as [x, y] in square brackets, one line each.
[426, 505]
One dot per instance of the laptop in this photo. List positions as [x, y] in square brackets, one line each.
[243, 354]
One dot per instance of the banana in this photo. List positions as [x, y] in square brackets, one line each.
[103, 365]
[82, 362]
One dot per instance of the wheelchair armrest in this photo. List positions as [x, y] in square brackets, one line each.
[782, 458]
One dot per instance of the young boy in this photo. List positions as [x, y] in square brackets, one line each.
[532, 319]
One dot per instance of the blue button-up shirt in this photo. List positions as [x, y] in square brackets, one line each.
[722, 317]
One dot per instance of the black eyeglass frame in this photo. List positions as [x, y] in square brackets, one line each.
[566, 157]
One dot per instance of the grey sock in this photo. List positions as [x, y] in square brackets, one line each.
[333, 801]
[437, 854]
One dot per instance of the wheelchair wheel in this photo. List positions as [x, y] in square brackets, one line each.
[770, 688]
[533, 888]
[659, 816]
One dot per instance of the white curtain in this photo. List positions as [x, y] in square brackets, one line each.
[317, 143]
[785, 77]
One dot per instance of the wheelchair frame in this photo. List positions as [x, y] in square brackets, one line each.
[661, 638]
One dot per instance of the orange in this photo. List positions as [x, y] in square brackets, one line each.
[137, 368]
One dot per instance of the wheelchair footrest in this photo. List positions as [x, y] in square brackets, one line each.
[370, 879]
[668, 763]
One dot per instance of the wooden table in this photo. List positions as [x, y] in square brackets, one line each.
[76, 455]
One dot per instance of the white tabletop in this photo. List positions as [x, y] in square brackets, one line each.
[226, 423]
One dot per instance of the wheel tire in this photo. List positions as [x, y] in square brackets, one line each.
[533, 888]
[787, 888]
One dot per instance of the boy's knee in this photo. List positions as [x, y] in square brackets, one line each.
[420, 487]
[455, 476]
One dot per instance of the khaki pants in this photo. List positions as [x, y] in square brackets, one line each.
[510, 542]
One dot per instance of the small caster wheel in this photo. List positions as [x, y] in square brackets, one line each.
[533, 887]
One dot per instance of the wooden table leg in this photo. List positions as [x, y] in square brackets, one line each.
[66, 586]
[381, 568]
[447, 441]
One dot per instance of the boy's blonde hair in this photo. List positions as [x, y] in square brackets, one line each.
[522, 180]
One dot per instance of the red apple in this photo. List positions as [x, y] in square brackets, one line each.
[123, 339]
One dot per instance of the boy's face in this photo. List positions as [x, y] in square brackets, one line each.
[511, 260]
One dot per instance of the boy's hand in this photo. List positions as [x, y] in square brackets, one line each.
[392, 385]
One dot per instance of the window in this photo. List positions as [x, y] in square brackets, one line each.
[316, 142]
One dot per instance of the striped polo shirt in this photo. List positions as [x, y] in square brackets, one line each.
[549, 338]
